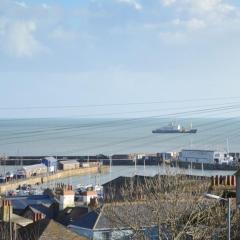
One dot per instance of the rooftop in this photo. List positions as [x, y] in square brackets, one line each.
[50, 159]
[21, 202]
[71, 214]
[48, 230]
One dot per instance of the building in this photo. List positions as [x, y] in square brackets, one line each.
[49, 211]
[86, 196]
[65, 196]
[237, 174]
[7, 215]
[51, 163]
[68, 165]
[34, 170]
[96, 225]
[205, 156]
[70, 214]
[20, 203]
[114, 187]
[47, 229]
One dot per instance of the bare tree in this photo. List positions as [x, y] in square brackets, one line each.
[171, 207]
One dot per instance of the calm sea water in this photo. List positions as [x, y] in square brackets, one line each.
[111, 136]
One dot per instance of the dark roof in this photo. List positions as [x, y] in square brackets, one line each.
[21, 202]
[49, 212]
[71, 214]
[101, 218]
[48, 230]
[87, 221]
[127, 212]
[122, 180]
[119, 180]
[139, 179]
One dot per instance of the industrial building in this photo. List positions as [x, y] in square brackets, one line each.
[68, 165]
[205, 156]
[33, 170]
[51, 163]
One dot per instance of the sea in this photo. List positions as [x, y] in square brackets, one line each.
[53, 137]
[83, 136]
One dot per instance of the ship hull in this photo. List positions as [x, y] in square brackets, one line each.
[174, 131]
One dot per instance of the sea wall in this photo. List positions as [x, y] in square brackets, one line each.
[205, 166]
[46, 178]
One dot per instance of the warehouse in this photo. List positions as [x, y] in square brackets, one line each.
[34, 170]
[68, 165]
[205, 156]
[51, 163]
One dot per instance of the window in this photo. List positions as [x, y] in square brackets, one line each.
[106, 235]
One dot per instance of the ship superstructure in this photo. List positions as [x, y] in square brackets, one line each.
[174, 128]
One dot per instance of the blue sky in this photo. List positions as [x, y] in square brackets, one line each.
[115, 51]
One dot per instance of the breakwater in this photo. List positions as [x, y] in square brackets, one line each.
[127, 160]
[204, 166]
[4, 187]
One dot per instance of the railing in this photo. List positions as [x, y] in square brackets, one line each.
[228, 180]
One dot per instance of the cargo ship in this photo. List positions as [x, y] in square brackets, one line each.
[173, 128]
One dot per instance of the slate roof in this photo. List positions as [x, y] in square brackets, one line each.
[126, 212]
[87, 221]
[99, 218]
[48, 230]
[21, 202]
[122, 180]
[47, 211]
[71, 214]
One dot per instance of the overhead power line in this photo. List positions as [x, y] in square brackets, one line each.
[116, 104]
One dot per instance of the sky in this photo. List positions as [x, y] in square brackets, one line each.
[91, 52]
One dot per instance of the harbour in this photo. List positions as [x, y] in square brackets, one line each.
[44, 179]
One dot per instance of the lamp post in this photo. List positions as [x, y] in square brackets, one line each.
[228, 200]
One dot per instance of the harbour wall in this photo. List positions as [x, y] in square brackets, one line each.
[205, 166]
[4, 187]
[29, 160]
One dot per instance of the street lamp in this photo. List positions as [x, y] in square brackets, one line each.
[228, 200]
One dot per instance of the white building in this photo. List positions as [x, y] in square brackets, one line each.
[66, 198]
[33, 170]
[205, 156]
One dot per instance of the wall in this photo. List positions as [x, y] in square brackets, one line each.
[197, 156]
[43, 179]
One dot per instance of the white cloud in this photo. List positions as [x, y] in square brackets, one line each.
[211, 5]
[21, 4]
[133, 3]
[19, 39]
[168, 2]
[201, 6]
[195, 24]
[191, 24]
[199, 14]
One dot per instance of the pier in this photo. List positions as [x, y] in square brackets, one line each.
[46, 178]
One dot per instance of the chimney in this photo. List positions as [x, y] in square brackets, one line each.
[67, 196]
[37, 217]
[93, 204]
[6, 213]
